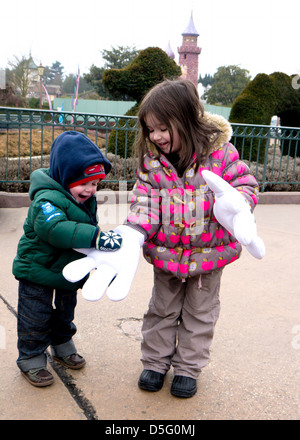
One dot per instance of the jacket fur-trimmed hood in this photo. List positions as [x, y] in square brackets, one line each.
[222, 124]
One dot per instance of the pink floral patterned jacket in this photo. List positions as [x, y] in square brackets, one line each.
[176, 213]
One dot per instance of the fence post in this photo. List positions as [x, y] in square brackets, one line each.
[265, 161]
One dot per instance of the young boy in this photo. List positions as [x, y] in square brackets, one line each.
[62, 216]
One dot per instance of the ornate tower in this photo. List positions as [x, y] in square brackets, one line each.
[189, 52]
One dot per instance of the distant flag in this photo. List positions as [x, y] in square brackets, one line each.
[76, 89]
[48, 97]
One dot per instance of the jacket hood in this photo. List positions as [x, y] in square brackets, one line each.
[222, 124]
[40, 180]
[71, 154]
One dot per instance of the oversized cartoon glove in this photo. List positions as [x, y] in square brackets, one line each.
[114, 270]
[233, 212]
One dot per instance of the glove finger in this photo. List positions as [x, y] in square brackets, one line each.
[96, 285]
[244, 228]
[78, 269]
[257, 248]
[120, 287]
[216, 183]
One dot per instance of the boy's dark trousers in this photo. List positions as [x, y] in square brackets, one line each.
[41, 325]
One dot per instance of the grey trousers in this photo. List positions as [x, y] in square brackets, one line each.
[178, 327]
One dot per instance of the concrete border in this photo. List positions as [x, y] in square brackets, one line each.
[279, 198]
[14, 200]
[20, 200]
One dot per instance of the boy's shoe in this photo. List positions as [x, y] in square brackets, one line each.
[151, 380]
[183, 386]
[38, 377]
[73, 361]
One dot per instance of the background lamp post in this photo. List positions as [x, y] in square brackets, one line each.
[41, 73]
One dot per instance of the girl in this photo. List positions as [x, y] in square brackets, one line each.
[172, 217]
[173, 207]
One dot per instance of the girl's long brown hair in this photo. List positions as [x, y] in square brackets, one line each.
[177, 102]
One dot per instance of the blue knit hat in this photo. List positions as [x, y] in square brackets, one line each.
[72, 158]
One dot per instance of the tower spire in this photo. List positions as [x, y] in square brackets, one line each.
[190, 29]
[169, 51]
[189, 52]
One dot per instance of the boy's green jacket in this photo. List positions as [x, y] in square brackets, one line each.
[55, 225]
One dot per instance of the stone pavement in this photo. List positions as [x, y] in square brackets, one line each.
[254, 369]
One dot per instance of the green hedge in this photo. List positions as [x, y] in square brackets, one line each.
[265, 96]
[277, 168]
[121, 140]
[149, 68]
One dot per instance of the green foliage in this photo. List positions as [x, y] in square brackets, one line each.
[265, 96]
[54, 74]
[94, 78]
[206, 80]
[228, 82]
[256, 104]
[69, 84]
[121, 141]
[150, 67]
[34, 103]
[119, 57]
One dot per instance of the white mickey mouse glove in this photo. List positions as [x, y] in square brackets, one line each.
[115, 270]
[233, 212]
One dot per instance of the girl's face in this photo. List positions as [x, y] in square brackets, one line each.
[83, 192]
[160, 135]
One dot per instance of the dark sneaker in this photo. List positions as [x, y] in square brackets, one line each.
[74, 361]
[183, 386]
[38, 377]
[151, 380]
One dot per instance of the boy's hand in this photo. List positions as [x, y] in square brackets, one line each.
[108, 241]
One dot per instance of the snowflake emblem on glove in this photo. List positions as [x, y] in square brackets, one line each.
[109, 241]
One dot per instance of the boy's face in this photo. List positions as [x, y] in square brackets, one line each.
[83, 192]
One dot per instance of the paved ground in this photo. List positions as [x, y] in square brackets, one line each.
[254, 369]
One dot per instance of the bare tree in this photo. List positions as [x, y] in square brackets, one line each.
[21, 73]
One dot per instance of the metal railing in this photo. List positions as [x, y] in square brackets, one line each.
[273, 154]
[26, 135]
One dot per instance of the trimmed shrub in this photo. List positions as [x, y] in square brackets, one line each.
[265, 96]
[149, 68]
